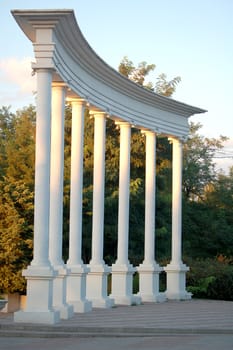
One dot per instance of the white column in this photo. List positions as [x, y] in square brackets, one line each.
[56, 201]
[42, 169]
[122, 270]
[97, 277]
[149, 270]
[76, 281]
[40, 274]
[149, 254]
[176, 270]
[124, 186]
[56, 175]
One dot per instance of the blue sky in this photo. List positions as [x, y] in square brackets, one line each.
[187, 38]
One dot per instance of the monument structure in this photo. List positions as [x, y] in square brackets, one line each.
[67, 69]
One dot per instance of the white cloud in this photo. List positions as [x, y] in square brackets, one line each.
[16, 82]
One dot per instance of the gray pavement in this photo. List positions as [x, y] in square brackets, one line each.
[183, 325]
[186, 342]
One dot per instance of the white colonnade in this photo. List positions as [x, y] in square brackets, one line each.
[68, 69]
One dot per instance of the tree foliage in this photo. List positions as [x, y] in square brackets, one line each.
[16, 195]
[199, 167]
[140, 73]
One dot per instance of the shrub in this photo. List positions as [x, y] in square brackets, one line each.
[211, 278]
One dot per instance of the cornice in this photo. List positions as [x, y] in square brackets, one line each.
[89, 77]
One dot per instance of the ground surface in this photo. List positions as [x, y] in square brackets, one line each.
[187, 325]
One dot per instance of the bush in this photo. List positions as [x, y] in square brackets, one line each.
[211, 278]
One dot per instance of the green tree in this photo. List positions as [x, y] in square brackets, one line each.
[140, 73]
[16, 190]
[208, 200]
[6, 130]
[199, 167]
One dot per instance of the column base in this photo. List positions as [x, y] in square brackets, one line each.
[149, 282]
[81, 306]
[59, 293]
[39, 308]
[97, 285]
[48, 317]
[176, 282]
[133, 299]
[66, 311]
[122, 285]
[76, 288]
[104, 303]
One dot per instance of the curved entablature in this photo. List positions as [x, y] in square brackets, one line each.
[60, 45]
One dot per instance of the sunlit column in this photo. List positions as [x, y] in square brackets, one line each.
[56, 175]
[56, 201]
[149, 270]
[149, 255]
[176, 270]
[122, 270]
[98, 189]
[76, 184]
[124, 185]
[76, 280]
[40, 274]
[97, 277]
[42, 169]
[176, 200]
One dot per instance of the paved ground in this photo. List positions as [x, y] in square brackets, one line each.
[187, 342]
[187, 325]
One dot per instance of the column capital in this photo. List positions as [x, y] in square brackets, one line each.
[59, 84]
[93, 113]
[173, 139]
[39, 68]
[76, 100]
[123, 123]
[148, 132]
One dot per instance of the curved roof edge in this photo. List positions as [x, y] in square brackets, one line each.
[89, 77]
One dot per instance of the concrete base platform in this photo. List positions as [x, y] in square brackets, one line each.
[146, 320]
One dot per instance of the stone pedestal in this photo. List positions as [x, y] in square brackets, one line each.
[76, 288]
[39, 308]
[122, 285]
[149, 283]
[97, 285]
[176, 282]
[59, 293]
